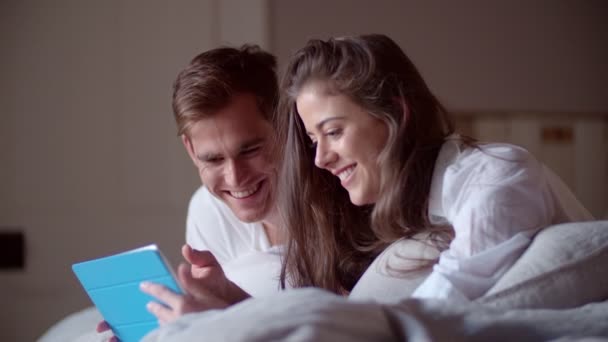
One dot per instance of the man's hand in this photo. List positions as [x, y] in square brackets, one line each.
[204, 269]
[103, 327]
[204, 283]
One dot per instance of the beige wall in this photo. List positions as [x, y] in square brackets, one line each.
[528, 65]
[89, 161]
[543, 55]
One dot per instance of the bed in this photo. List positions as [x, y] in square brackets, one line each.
[557, 290]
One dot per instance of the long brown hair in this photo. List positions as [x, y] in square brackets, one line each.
[331, 241]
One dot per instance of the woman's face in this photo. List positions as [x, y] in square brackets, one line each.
[347, 139]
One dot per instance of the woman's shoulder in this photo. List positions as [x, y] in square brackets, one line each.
[493, 150]
[468, 156]
[479, 162]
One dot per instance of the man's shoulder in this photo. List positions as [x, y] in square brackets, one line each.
[203, 199]
[212, 225]
[205, 203]
[202, 196]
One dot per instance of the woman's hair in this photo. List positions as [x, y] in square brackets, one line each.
[210, 81]
[331, 241]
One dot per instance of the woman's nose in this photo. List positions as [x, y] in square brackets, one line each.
[324, 156]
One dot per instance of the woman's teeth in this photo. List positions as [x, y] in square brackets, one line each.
[344, 174]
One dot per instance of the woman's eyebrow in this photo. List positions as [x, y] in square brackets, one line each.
[320, 124]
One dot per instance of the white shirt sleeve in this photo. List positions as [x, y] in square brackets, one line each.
[495, 198]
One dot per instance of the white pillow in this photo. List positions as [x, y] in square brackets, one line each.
[383, 283]
[565, 266]
[79, 326]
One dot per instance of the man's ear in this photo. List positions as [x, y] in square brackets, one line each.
[189, 148]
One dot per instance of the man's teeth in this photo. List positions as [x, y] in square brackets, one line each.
[245, 193]
[344, 174]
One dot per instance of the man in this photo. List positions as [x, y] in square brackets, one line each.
[222, 103]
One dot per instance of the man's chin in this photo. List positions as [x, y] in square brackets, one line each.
[250, 218]
[248, 212]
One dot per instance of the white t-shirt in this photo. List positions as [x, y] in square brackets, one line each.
[242, 249]
[496, 197]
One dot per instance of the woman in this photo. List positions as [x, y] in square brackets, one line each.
[371, 153]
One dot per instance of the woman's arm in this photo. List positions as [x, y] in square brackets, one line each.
[496, 198]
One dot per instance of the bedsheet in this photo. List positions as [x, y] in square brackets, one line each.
[316, 315]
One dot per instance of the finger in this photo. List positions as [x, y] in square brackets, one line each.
[162, 313]
[189, 283]
[102, 326]
[186, 250]
[113, 339]
[184, 275]
[199, 258]
[161, 293]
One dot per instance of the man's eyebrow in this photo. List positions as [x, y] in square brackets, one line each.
[244, 147]
[204, 157]
[251, 143]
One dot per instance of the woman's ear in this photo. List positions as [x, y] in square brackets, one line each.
[189, 148]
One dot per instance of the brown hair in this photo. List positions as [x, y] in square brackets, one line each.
[213, 77]
[331, 242]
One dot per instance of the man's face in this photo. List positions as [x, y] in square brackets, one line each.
[232, 152]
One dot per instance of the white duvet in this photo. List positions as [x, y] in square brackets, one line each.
[316, 315]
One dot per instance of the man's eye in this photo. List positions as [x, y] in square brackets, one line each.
[251, 150]
[213, 160]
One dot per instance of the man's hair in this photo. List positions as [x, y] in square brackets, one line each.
[214, 77]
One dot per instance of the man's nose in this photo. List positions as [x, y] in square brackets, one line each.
[234, 172]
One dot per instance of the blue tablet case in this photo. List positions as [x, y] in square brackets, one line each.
[112, 283]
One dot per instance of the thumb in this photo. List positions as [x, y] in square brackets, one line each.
[184, 276]
[199, 258]
[191, 285]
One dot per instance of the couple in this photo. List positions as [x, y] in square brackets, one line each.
[353, 155]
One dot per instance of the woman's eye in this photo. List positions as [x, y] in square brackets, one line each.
[333, 133]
